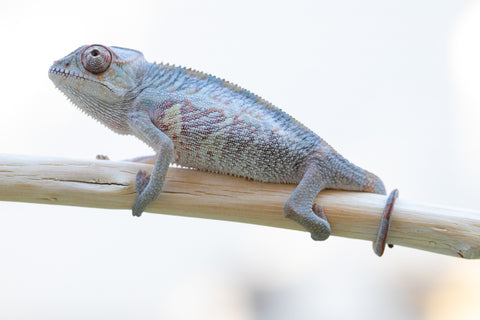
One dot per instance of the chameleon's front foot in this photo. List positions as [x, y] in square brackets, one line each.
[143, 198]
[102, 157]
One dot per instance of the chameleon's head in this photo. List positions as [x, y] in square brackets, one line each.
[100, 80]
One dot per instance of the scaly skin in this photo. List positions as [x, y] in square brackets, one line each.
[199, 121]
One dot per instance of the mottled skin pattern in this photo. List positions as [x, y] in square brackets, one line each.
[199, 121]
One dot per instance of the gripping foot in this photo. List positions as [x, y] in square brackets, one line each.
[381, 241]
[102, 157]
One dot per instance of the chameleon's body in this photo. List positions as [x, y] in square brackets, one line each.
[199, 121]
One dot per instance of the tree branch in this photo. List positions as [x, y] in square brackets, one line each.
[111, 184]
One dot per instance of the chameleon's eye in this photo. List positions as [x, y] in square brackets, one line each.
[96, 59]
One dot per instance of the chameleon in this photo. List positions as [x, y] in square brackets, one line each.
[200, 121]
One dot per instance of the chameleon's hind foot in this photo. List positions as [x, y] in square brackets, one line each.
[324, 232]
[381, 241]
[318, 210]
[314, 221]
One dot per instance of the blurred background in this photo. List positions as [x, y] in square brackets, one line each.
[393, 86]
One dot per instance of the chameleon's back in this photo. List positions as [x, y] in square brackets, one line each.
[217, 126]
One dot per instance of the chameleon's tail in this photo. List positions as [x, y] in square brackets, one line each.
[373, 183]
[351, 177]
[356, 178]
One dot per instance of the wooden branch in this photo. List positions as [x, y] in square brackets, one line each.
[110, 184]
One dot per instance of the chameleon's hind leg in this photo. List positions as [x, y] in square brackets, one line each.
[299, 206]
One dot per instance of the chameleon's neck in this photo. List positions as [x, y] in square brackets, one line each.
[164, 76]
[182, 80]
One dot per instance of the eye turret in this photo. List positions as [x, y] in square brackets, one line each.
[96, 59]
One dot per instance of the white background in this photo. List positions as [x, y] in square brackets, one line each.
[394, 86]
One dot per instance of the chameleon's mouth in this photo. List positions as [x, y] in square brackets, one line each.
[65, 73]
[62, 77]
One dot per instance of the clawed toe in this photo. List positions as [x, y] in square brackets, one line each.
[102, 157]
[318, 210]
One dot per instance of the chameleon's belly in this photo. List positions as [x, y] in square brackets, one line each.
[236, 141]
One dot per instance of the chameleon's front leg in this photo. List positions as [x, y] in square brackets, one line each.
[149, 188]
